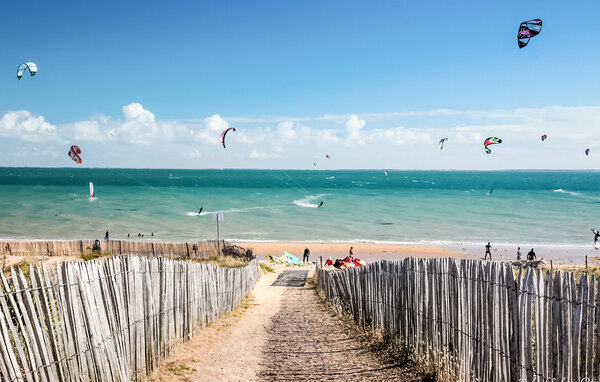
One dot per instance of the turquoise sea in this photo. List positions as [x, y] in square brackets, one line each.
[429, 207]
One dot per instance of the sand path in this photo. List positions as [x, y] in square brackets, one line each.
[282, 333]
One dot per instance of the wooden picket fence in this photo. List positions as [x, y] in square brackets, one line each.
[476, 320]
[111, 319]
[201, 249]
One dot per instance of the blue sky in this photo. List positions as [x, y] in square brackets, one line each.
[258, 64]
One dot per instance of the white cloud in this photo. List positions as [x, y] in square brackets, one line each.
[254, 154]
[88, 131]
[354, 125]
[195, 154]
[286, 131]
[21, 124]
[139, 126]
[211, 130]
[398, 140]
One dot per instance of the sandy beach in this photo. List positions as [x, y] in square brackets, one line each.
[369, 252]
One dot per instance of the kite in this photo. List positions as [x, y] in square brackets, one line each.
[385, 172]
[315, 164]
[223, 134]
[327, 156]
[490, 141]
[31, 66]
[74, 153]
[527, 30]
[544, 137]
[441, 144]
[587, 151]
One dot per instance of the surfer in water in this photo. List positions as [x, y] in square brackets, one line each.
[491, 190]
[200, 210]
[320, 204]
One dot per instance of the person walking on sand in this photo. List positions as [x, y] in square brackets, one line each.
[519, 254]
[350, 252]
[531, 255]
[488, 251]
[596, 236]
[306, 255]
[106, 236]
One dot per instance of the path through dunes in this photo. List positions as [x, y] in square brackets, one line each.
[283, 333]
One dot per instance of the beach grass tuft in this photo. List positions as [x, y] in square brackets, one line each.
[223, 261]
[24, 265]
[266, 269]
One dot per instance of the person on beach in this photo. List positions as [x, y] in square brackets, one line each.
[488, 251]
[106, 236]
[350, 252]
[128, 234]
[96, 247]
[519, 254]
[531, 255]
[306, 255]
[596, 236]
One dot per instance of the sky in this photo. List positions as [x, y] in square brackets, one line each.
[151, 84]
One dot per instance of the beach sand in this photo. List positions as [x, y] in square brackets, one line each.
[368, 252]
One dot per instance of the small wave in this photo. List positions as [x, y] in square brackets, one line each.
[331, 177]
[423, 181]
[563, 191]
[232, 210]
[307, 202]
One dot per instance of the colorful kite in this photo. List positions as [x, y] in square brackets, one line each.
[31, 66]
[327, 156]
[544, 137]
[490, 141]
[223, 134]
[527, 30]
[74, 153]
[441, 144]
[587, 151]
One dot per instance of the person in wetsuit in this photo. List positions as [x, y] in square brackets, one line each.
[596, 236]
[320, 204]
[488, 251]
[306, 255]
[200, 210]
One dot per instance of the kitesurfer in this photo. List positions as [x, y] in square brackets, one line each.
[200, 210]
[491, 190]
[320, 204]
[596, 236]
[488, 251]
[531, 255]
[306, 254]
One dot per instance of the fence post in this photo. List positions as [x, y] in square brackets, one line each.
[586, 264]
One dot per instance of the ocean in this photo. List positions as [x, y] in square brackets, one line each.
[417, 207]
